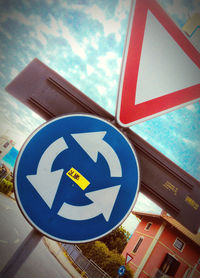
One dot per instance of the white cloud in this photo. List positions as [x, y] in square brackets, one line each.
[91, 41]
[14, 72]
[85, 41]
[12, 102]
[122, 9]
[130, 223]
[144, 204]
[31, 120]
[82, 76]
[102, 90]
[119, 62]
[20, 120]
[94, 42]
[110, 105]
[41, 30]
[181, 10]
[75, 45]
[9, 129]
[90, 69]
[42, 27]
[36, 116]
[192, 144]
[110, 25]
[175, 7]
[104, 63]
[41, 38]
[111, 55]
[55, 25]
[191, 107]
[15, 15]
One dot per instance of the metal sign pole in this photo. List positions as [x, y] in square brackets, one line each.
[21, 254]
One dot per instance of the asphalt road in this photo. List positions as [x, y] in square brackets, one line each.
[13, 230]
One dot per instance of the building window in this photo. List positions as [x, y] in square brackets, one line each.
[148, 226]
[138, 244]
[169, 266]
[6, 145]
[179, 244]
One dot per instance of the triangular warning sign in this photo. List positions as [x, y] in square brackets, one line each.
[128, 258]
[160, 69]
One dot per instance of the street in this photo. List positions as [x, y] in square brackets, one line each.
[14, 228]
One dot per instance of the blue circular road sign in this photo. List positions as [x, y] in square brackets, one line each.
[121, 270]
[76, 178]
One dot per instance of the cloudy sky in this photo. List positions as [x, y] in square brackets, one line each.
[83, 40]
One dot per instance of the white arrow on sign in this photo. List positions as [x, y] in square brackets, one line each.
[103, 203]
[46, 182]
[93, 143]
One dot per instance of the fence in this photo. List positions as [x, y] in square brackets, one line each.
[88, 266]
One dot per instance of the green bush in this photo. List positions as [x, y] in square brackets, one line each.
[113, 263]
[117, 239]
[108, 260]
[6, 186]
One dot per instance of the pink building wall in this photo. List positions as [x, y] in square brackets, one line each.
[187, 257]
[148, 236]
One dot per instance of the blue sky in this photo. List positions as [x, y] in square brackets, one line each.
[83, 41]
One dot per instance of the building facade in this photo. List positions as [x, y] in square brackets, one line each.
[162, 247]
[6, 144]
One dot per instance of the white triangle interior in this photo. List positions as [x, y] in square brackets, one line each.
[164, 66]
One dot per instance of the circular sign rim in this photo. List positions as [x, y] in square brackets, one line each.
[19, 203]
[122, 267]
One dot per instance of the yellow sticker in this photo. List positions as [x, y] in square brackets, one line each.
[78, 178]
